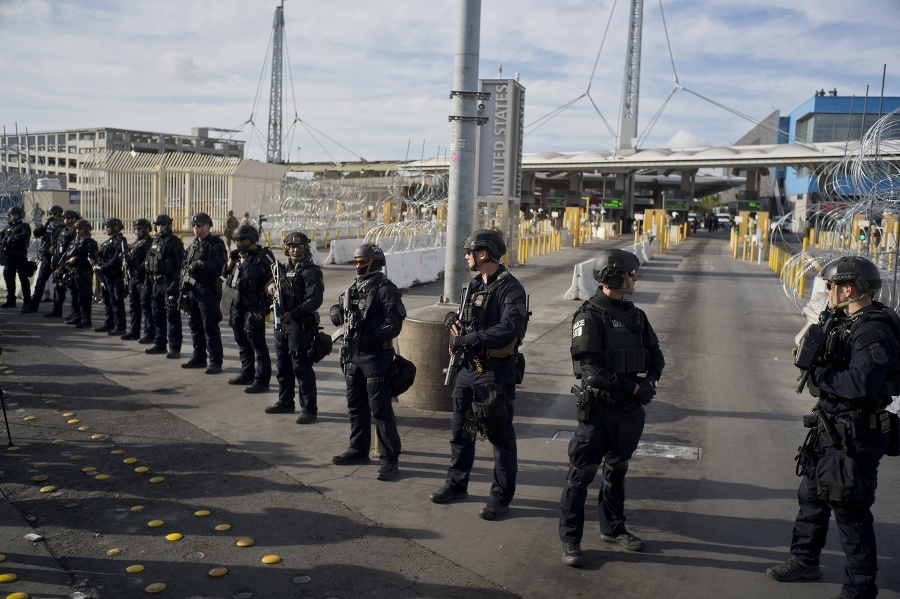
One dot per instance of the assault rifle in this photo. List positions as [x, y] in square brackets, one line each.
[185, 281]
[812, 344]
[456, 356]
[278, 299]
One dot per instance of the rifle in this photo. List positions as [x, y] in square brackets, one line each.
[185, 281]
[278, 300]
[811, 345]
[456, 356]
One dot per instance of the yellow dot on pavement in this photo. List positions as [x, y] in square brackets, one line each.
[117, 452]
[157, 479]
[223, 527]
[31, 518]
[129, 461]
[141, 469]
[40, 478]
[137, 508]
[58, 442]
[12, 448]
[155, 523]
[88, 469]
[216, 572]
[68, 414]
[271, 559]
[10, 371]
[48, 489]
[39, 465]
[84, 428]
[19, 595]
[97, 436]
[74, 421]
[50, 401]
[201, 513]
[102, 476]
[77, 458]
[7, 577]
[156, 587]
[2, 558]
[30, 418]
[134, 568]
[115, 551]
[175, 536]
[245, 542]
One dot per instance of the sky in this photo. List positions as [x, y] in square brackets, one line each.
[368, 79]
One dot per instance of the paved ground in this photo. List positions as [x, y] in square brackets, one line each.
[714, 519]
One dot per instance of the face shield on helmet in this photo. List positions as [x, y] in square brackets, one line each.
[611, 266]
[369, 259]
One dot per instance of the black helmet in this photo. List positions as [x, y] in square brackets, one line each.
[610, 265]
[141, 223]
[244, 232]
[115, 223]
[16, 210]
[163, 219]
[295, 238]
[55, 209]
[485, 239]
[202, 218]
[83, 224]
[373, 253]
[855, 270]
[71, 214]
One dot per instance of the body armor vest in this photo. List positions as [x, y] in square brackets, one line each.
[620, 348]
[136, 255]
[156, 257]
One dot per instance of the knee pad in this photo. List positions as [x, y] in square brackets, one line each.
[580, 478]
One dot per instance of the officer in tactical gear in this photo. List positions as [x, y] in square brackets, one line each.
[164, 257]
[201, 292]
[48, 233]
[80, 258]
[249, 270]
[371, 313]
[139, 296]
[14, 240]
[110, 272]
[488, 335]
[300, 290]
[850, 378]
[616, 354]
[62, 273]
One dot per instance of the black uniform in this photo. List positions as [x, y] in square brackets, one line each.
[112, 282]
[61, 273]
[303, 289]
[164, 258]
[375, 316]
[14, 240]
[612, 343]
[140, 308]
[852, 399]
[494, 319]
[49, 235]
[201, 289]
[81, 277]
[248, 316]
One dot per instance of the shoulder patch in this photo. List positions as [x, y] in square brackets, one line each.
[879, 355]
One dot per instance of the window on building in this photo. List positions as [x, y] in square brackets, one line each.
[73, 163]
[802, 131]
[73, 178]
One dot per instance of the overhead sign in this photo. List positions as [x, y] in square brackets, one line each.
[677, 204]
[612, 203]
[499, 167]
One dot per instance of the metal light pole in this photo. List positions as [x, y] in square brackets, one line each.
[464, 122]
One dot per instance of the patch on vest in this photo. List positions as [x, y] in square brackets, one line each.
[578, 328]
[879, 355]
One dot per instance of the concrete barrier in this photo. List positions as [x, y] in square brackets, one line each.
[417, 266]
[341, 250]
[583, 284]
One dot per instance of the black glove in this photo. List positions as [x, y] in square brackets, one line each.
[450, 320]
[337, 315]
[590, 375]
[645, 392]
[457, 342]
[195, 268]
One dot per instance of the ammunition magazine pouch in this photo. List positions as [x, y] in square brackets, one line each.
[231, 297]
[491, 408]
[321, 347]
[624, 428]
[838, 482]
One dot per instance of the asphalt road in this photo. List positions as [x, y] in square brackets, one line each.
[714, 518]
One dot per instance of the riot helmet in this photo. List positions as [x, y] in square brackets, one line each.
[163, 219]
[295, 238]
[610, 267]
[17, 210]
[55, 209]
[854, 270]
[141, 223]
[369, 259]
[83, 224]
[245, 232]
[115, 224]
[71, 214]
[202, 218]
[485, 239]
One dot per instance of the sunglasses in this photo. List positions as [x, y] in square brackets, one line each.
[829, 285]
[195, 225]
[362, 262]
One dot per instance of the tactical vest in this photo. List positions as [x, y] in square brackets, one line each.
[294, 289]
[253, 291]
[620, 348]
[108, 250]
[136, 254]
[156, 258]
[885, 314]
[475, 315]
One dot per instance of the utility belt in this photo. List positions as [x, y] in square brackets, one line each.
[482, 363]
[159, 279]
[857, 424]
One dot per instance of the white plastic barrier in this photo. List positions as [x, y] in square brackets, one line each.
[417, 266]
[583, 284]
[341, 251]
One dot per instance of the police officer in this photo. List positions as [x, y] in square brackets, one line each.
[302, 288]
[201, 293]
[61, 273]
[851, 382]
[371, 312]
[249, 268]
[613, 345]
[164, 257]
[80, 257]
[488, 335]
[48, 233]
[139, 296]
[111, 274]
[14, 240]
